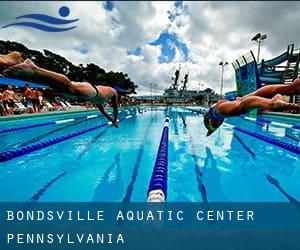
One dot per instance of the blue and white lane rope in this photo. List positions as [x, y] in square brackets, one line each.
[58, 122]
[263, 121]
[158, 187]
[287, 146]
[11, 154]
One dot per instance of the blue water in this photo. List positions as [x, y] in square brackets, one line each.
[110, 164]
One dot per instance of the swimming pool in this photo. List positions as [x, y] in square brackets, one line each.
[109, 164]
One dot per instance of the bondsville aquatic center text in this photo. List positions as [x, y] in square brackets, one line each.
[129, 215]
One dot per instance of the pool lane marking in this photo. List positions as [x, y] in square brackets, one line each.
[93, 116]
[88, 145]
[281, 144]
[244, 145]
[197, 167]
[274, 141]
[261, 121]
[65, 121]
[38, 138]
[292, 138]
[105, 178]
[250, 119]
[40, 192]
[11, 154]
[58, 122]
[276, 184]
[136, 167]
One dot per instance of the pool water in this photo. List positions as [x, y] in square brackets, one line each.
[110, 164]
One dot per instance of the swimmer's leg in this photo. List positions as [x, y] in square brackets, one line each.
[64, 82]
[282, 89]
[247, 103]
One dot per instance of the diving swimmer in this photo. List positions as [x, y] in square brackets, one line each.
[96, 94]
[267, 97]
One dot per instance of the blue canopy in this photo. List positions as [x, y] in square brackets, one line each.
[18, 83]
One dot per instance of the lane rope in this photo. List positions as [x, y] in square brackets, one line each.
[158, 186]
[11, 154]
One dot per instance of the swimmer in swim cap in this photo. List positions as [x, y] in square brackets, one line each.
[268, 97]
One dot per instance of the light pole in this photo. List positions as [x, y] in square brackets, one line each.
[155, 85]
[151, 89]
[259, 38]
[222, 64]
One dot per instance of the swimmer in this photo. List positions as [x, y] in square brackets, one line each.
[268, 97]
[96, 94]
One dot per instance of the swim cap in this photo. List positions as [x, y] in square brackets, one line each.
[211, 124]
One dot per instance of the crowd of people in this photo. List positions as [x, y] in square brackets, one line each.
[31, 98]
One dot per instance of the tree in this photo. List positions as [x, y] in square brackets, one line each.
[54, 62]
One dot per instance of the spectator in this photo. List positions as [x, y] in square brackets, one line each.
[27, 95]
[35, 100]
[3, 110]
[9, 98]
[41, 100]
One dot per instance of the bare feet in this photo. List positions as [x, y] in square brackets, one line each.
[11, 59]
[27, 66]
[115, 123]
[278, 103]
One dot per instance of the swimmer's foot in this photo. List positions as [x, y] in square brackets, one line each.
[279, 104]
[27, 66]
[10, 59]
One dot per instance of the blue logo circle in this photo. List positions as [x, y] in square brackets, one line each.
[64, 11]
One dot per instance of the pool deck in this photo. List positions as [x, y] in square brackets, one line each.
[281, 115]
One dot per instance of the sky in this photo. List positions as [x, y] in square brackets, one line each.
[148, 40]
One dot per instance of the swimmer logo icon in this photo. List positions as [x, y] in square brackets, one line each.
[37, 21]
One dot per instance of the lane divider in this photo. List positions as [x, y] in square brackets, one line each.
[65, 121]
[58, 122]
[6, 130]
[262, 121]
[157, 191]
[287, 146]
[197, 167]
[11, 154]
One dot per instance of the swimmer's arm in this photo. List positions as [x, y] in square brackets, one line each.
[104, 112]
[115, 105]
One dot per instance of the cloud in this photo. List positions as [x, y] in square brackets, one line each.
[148, 40]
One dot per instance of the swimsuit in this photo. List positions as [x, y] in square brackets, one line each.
[120, 91]
[214, 115]
[116, 88]
[97, 93]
